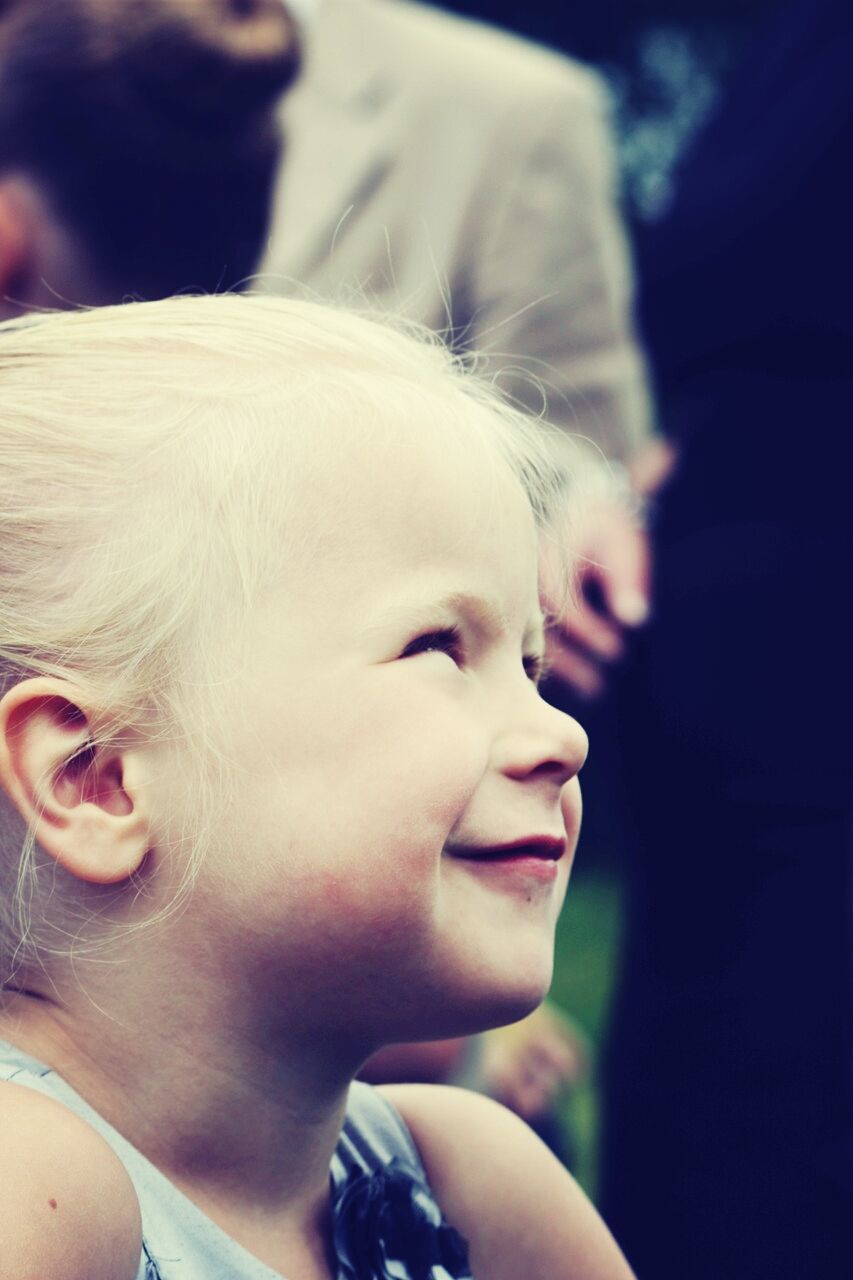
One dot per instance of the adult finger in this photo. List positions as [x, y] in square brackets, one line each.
[584, 676]
[623, 577]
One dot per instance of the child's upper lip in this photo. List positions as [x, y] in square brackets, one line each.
[548, 847]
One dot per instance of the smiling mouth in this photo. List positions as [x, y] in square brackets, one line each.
[541, 848]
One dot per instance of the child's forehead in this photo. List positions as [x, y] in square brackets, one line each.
[415, 523]
[430, 471]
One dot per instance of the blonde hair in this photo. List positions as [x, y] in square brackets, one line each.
[145, 491]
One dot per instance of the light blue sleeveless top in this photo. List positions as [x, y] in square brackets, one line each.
[382, 1203]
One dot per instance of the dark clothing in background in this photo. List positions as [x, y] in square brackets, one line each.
[728, 1094]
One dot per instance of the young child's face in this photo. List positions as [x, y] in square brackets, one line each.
[392, 739]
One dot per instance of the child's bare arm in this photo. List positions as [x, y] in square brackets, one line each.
[521, 1212]
[68, 1210]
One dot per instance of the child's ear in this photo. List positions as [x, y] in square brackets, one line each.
[16, 250]
[80, 798]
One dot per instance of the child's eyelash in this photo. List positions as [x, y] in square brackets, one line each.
[444, 640]
[449, 640]
[535, 666]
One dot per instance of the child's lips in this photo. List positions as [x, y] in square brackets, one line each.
[514, 866]
[539, 848]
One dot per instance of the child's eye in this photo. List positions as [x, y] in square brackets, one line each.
[444, 640]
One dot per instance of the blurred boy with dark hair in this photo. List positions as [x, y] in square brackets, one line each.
[138, 145]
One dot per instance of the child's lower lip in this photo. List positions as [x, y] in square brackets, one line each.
[522, 865]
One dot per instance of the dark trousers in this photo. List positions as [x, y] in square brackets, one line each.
[727, 1116]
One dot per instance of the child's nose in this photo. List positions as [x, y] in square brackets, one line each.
[544, 742]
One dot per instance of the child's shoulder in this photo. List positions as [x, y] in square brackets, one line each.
[521, 1212]
[68, 1210]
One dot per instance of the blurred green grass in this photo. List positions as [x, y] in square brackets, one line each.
[587, 946]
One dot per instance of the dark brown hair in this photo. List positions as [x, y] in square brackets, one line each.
[149, 125]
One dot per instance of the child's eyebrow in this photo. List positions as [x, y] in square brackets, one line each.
[428, 610]
[483, 611]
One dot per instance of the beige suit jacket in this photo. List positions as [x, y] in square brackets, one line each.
[461, 177]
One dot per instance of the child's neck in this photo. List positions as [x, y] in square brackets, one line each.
[241, 1124]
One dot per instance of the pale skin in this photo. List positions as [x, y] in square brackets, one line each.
[384, 734]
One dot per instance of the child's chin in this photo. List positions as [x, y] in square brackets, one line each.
[522, 986]
[505, 1003]
[512, 1008]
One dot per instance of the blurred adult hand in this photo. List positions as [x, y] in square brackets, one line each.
[588, 629]
[591, 624]
[528, 1065]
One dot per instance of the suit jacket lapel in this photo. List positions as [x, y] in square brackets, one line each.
[340, 134]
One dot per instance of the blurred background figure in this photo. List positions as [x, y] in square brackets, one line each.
[664, 63]
[138, 145]
[728, 1105]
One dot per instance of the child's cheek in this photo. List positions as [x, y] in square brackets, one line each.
[428, 790]
[384, 876]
